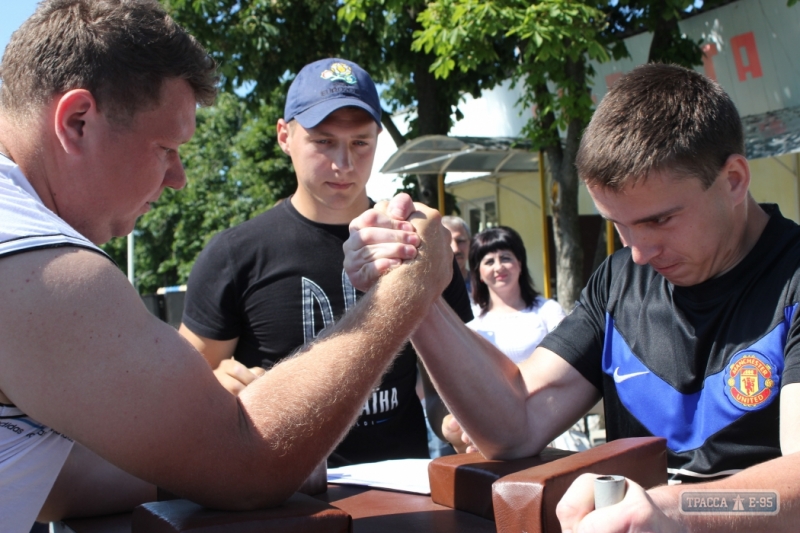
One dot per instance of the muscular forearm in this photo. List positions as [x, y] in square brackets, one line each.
[141, 397]
[779, 475]
[301, 409]
[481, 386]
[435, 409]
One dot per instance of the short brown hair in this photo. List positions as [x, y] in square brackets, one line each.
[119, 50]
[655, 118]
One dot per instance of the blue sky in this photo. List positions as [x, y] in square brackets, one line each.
[12, 14]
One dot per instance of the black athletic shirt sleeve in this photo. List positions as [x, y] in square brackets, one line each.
[791, 372]
[212, 304]
[578, 339]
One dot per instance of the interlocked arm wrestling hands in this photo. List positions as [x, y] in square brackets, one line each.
[381, 239]
[507, 411]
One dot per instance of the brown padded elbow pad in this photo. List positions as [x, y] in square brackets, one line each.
[464, 481]
[522, 494]
[526, 501]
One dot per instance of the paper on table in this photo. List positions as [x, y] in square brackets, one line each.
[406, 475]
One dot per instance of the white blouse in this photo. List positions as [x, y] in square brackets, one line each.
[517, 334]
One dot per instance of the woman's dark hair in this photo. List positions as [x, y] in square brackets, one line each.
[492, 240]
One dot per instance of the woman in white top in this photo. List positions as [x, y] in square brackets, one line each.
[510, 313]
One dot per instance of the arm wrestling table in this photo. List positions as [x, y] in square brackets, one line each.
[473, 494]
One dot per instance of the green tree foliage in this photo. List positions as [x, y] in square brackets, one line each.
[554, 38]
[235, 170]
[257, 43]
[408, 75]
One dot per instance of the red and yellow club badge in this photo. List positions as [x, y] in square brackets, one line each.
[750, 382]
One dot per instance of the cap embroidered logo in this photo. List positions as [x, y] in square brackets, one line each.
[339, 72]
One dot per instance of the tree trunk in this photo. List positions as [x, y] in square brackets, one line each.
[669, 45]
[433, 118]
[428, 189]
[566, 227]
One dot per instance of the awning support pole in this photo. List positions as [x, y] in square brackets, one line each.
[441, 194]
[545, 240]
[609, 237]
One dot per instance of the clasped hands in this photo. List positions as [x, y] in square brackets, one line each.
[394, 233]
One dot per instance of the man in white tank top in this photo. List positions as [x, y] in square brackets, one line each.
[99, 400]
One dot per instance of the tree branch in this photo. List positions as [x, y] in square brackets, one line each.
[398, 138]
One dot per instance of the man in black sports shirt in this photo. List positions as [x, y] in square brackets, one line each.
[689, 333]
[264, 288]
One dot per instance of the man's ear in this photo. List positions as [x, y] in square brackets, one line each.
[75, 114]
[737, 173]
[283, 136]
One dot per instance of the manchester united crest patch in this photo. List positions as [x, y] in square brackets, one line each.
[749, 380]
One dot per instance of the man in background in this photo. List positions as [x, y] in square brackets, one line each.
[459, 242]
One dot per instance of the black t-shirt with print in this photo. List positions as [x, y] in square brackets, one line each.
[275, 282]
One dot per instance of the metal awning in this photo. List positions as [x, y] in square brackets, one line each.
[492, 156]
[437, 154]
[766, 135]
[773, 133]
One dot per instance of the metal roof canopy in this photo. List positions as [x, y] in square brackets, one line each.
[773, 133]
[437, 154]
[766, 135]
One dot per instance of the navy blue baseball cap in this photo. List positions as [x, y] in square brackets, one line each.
[324, 86]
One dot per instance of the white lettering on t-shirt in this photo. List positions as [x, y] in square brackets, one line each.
[311, 293]
[349, 292]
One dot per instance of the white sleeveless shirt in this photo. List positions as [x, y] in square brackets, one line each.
[31, 454]
[25, 222]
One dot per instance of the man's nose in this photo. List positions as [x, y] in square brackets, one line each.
[175, 178]
[343, 159]
[642, 250]
[454, 246]
[643, 247]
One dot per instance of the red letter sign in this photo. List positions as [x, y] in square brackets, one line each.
[748, 42]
